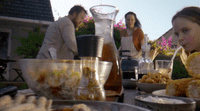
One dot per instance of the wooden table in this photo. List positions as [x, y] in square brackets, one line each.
[129, 96]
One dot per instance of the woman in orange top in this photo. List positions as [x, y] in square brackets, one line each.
[132, 37]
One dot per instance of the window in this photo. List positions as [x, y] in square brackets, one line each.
[4, 39]
[5, 47]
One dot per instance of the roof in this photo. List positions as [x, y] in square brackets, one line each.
[27, 9]
[168, 34]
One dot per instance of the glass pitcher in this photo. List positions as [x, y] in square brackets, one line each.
[104, 18]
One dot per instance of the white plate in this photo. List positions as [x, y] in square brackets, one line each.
[162, 93]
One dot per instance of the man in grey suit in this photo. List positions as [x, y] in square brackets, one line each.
[60, 41]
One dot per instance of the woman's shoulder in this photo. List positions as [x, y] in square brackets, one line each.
[138, 29]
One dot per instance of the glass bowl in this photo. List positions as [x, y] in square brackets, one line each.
[57, 79]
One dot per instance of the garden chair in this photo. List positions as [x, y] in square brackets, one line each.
[19, 72]
[2, 70]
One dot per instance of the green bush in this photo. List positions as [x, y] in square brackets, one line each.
[20, 87]
[31, 44]
[117, 38]
[88, 27]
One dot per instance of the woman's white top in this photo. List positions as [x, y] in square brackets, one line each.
[127, 44]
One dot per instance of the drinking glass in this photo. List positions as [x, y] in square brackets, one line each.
[165, 67]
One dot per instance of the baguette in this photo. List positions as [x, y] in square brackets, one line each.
[193, 89]
[22, 107]
[81, 107]
[41, 102]
[177, 87]
[22, 104]
[5, 102]
[31, 99]
[49, 104]
[192, 65]
[40, 109]
[19, 100]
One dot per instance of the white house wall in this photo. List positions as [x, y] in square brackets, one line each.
[18, 28]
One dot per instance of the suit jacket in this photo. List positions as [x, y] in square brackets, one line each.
[61, 36]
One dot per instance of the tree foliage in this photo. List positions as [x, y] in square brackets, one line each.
[88, 27]
[30, 45]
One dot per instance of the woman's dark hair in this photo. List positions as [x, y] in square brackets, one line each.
[77, 9]
[191, 13]
[137, 22]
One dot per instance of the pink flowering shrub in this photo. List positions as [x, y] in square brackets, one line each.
[119, 25]
[87, 27]
[165, 44]
[117, 28]
[163, 47]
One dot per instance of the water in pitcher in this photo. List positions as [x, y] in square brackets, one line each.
[103, 28]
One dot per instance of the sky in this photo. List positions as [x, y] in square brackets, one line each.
[154, 15]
